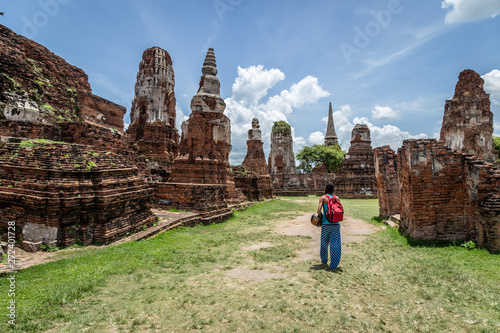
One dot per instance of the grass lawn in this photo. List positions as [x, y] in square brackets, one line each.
[207, 278]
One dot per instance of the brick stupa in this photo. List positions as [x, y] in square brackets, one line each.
[467, 120]
[152, 115]
[206, 138]
[255, 182]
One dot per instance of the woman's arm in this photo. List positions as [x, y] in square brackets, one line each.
[320, 206]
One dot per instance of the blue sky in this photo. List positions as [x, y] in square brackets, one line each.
[390, 64]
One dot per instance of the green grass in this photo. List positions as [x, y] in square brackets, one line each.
[178, 282]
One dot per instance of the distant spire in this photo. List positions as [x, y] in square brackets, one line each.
[331, 137]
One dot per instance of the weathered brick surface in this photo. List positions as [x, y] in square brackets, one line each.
[61, 90]
[446, 195]
[387, 180]
[253, 178]
[281, 157]
[356, 176]
[206, 138]
[467, 120]
[97, 110]
[91, 195]
[152, 130]
[432, 191]
[447, 189]
[197, 197]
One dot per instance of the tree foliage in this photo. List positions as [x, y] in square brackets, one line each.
[281, 127]
[317, 155]
[496, 142]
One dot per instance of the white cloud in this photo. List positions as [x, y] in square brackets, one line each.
[381, 136]
[180, 117]
[463, 11]
[388, 134]
[316, 138]
[245, 104]
[385, 113]
[253, 83]
[492, 85]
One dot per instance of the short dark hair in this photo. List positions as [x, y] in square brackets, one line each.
[329, 187]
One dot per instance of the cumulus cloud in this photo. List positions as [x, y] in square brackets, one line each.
[316, 138]
[385, 113]
[381, 136]
[463, 11]
[388, 134]
[253, 83]
[180, 117]
[492, 85]
[250, 87]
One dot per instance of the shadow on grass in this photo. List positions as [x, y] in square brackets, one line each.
[326, 267]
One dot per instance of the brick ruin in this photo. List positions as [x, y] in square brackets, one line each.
[281, 157]
[467, 121]
[448, 189]
[354, 179]
[253, 177]
[387, 181]
[204, 148]
[39, 91]
[152, 130]
[62, 194]
[356, 175]
[81, 187]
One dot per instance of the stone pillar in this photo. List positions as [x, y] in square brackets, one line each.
[281, 157]
[467, 120]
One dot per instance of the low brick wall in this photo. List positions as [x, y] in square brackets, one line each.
[194, 197]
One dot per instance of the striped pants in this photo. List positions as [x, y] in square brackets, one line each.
[330, 234]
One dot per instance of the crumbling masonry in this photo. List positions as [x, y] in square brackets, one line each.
[448, 189]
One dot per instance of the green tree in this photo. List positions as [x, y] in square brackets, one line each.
[281, 127]
[317, 155]
[496, 142]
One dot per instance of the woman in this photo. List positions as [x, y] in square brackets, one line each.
[330, 232]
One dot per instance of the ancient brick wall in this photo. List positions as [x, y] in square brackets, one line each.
[446, 195]
[387, 180]
[100, 111]
[23, 129]
[83, 193]
[196, 197]
[431, 182]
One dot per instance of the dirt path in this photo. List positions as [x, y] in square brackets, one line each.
[351, 230]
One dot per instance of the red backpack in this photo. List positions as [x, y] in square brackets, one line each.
[335, 210]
